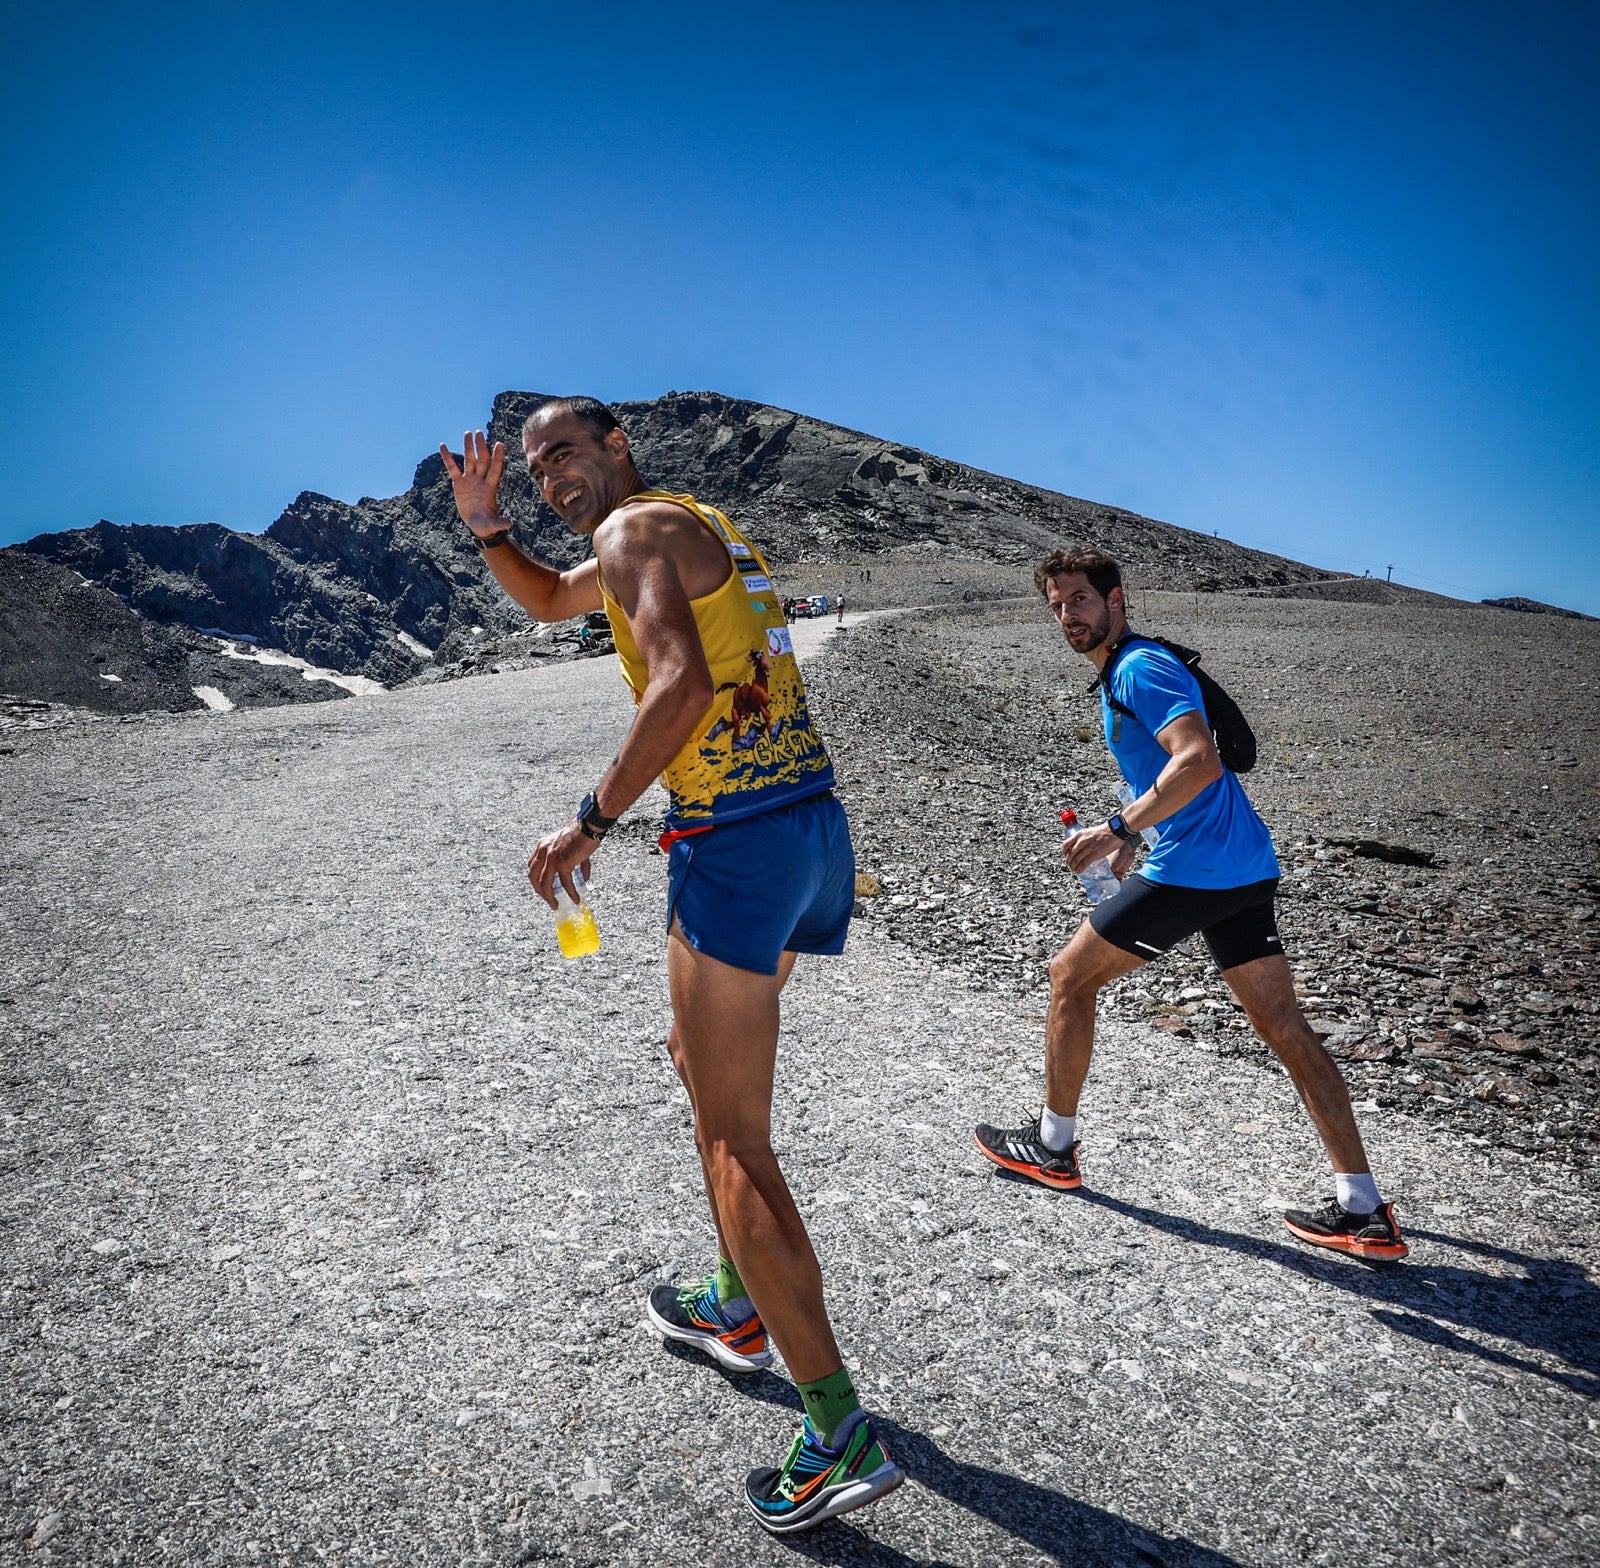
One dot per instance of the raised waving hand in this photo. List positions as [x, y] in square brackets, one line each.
[476, 481]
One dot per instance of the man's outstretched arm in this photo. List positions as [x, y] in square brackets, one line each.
[546, 594]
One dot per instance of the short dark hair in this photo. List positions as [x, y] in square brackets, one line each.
[1103, 573]
[588, 411]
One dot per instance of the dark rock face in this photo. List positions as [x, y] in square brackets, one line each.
[354, 588]
[73, 643]
[208, 578]
[1534, 607]
[810, 491]
[62, 639]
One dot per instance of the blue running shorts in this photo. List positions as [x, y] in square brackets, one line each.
[781, 881]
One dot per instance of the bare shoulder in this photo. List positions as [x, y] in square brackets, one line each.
[639, 532]
[639, 525]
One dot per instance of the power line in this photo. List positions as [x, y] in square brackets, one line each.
[1317, 558]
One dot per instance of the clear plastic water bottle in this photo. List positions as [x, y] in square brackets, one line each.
[1125, 798]
[576, 930]
[1098, 880]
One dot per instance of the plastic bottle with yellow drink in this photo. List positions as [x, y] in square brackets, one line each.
[576, 930]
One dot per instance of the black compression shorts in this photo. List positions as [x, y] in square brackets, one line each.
[1148, 918]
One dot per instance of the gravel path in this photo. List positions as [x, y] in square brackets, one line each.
[331, 1196]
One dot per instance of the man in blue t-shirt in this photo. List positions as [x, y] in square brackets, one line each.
[1212, 870]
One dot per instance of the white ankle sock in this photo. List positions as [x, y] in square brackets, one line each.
[1057, 1132]
[1357, 1194]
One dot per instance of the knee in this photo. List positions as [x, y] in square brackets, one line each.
[1291, 1039]
[1068, 978]
[731, 1161]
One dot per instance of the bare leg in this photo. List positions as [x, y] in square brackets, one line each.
[725, 1031]
[1265, 990]
[1077, 973]
[674, 1050]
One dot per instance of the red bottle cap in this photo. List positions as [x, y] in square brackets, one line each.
[1069, 817]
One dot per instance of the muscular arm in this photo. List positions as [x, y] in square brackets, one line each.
[643, 571]
[545, 593]
[1193, 765]
[645, 577]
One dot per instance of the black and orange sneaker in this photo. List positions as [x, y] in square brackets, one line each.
[816, 1482]
[695, 1316]
[1021, 1149]
[1374, 1236]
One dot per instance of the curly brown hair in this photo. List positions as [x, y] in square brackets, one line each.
[1103, 573]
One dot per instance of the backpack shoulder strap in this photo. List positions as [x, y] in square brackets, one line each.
[1102, 681]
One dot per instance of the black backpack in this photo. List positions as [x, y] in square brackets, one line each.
[1236, 741]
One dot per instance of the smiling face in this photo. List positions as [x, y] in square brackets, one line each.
[1086, 617]
[583, 477]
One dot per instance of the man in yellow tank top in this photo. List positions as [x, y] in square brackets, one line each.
[760, 869]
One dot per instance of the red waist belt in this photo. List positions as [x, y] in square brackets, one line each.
[668, 839]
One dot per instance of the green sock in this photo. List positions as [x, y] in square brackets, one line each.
[827, 1402]
[729, 1286]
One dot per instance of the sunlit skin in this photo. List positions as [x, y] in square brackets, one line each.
[1093, 623]
[658, 558]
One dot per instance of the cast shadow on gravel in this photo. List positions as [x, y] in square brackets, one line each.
[1552, 1309]
[1061, 1527]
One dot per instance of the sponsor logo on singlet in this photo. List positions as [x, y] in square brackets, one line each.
[756, 583]
[779, 640]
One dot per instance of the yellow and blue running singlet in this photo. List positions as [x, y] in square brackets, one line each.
[756, 748]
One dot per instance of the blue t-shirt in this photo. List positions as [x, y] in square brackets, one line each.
[1217, 840]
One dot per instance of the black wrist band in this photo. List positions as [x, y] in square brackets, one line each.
[493, 541]
[1122, 830]
[592, 822]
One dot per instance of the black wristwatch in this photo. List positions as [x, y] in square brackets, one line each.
[1122, 830]
[594, 824]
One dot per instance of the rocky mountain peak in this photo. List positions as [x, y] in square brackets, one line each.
[374, 587]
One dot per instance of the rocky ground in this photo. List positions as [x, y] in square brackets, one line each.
[1429, 770]
[330, 1194]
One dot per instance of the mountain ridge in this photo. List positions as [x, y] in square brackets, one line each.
[388, 588]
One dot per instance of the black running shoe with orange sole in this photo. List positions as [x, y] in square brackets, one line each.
[694, 1316]
[1021, 1149]
[1374, 1237]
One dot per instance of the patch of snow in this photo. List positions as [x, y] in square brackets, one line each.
[421, 649]
[213, 699]
[105, 677]
[217, 631]
[356, 685]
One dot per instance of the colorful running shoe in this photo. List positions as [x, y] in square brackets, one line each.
[1021, 1149]
[1374, 1236]
[816, 1483]
[695, 1316]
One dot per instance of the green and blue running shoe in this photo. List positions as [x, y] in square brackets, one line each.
[694, 1315]
[817, 1483]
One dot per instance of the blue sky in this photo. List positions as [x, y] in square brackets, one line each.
[1318, 277]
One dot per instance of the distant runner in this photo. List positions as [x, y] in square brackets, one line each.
[1213, 870]
[760, 868]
